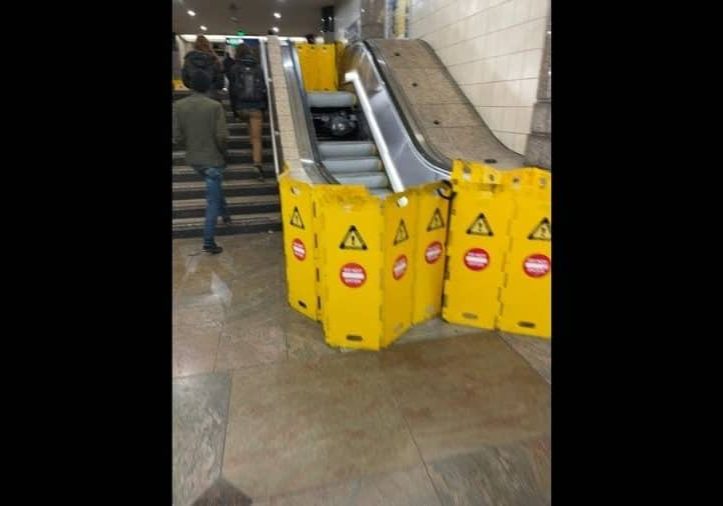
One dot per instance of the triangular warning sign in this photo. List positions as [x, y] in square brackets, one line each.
[542, 232]
[296, 218]
[401, 234]
[480, 226]
[436, 221]
[353, 240]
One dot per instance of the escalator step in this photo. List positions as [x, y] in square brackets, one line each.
[380, 192]
[342, 149]
[370, 179]
[345, 165]
[331, 99]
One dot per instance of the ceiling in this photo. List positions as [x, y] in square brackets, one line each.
[255, 17]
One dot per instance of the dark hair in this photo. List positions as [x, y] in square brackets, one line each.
[200, 81]
[202, 44]
[244, 51]
[310, 38]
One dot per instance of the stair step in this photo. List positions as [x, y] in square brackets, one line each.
[232, 172]
[241, 128]
[242, 224]
[233, 156]
[239, 141]
[245, 205]
[230, 118]
[238, 188]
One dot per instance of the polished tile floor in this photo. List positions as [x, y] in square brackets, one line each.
[265, 413]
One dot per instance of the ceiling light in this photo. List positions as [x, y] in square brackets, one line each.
[191, 13]
[277, 15]
[203, 28]
[275, 29]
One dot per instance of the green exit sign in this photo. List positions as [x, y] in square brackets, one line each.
[240, 33]
[234, 41]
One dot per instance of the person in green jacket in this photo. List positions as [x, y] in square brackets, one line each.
[200, 123]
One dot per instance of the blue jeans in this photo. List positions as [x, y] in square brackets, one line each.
[215, 202]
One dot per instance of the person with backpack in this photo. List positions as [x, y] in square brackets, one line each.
[203, 58]
[247, 92]
[199, 122]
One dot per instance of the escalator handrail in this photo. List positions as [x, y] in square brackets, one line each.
[410, 120]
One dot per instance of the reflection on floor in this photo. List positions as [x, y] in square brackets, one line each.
[265, 413]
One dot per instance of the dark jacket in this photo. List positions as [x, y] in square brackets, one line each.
[202, 59]
[236, 103]
[200, 123]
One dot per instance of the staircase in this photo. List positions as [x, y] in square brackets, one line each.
[254, 205]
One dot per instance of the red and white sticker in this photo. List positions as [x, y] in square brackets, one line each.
[299, 249]
[476, 259]
[537, 265]
[400, 267]
[353, 275]
[433, 252]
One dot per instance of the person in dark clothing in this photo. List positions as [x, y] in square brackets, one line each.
[199, 122]
[310, 38]
[202, 56]
[247, 92]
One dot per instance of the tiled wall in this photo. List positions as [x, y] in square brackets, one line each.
[493, 49]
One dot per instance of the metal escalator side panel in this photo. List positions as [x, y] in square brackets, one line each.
[409, 117]
[403, 162]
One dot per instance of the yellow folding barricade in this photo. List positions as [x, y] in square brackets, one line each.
[398, 271]
[526, 295]
[430, 250]
[365, 246]
[318, 66]
[299, 248]
[476, 247]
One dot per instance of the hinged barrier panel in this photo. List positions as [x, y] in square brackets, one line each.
[525, 298]
[318, 66]
[299, 250]
[398, 271]
[430, 250]
[351, 260]
[477, 245]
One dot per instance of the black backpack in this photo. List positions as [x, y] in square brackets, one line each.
[197, 61]
[248, 82]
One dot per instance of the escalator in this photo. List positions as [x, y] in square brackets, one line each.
[376, 151]
[399, 140]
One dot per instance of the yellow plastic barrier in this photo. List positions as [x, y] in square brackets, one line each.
[525, 297]
[318, 66]
[368, 267]
[298, 231]
[366, 244]
[430, 251]
[476, 247]
[398, 271]
[299, 204]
